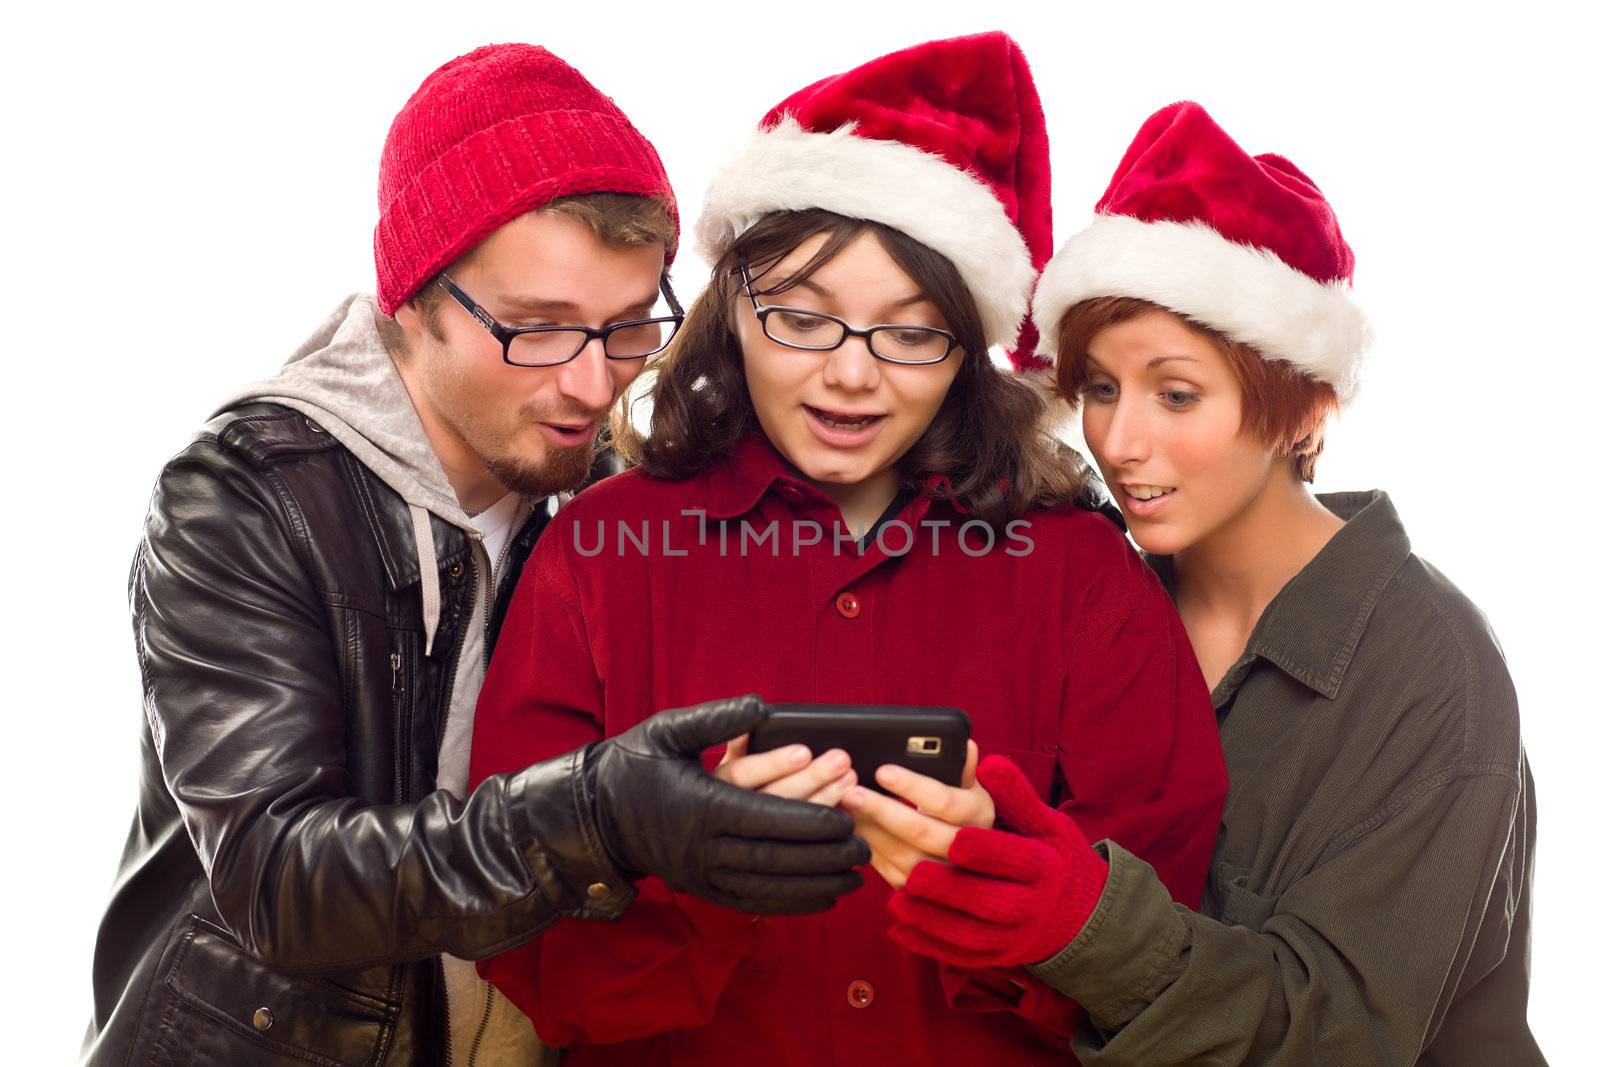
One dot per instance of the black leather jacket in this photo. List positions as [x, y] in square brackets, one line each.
[292, 873]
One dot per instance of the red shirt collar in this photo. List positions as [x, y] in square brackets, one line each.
[754, 467]
[738, 483]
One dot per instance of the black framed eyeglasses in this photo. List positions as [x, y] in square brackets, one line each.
[815, 331]
[551, 346]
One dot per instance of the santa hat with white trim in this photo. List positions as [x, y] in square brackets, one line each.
[1245, 245]
[943, 141]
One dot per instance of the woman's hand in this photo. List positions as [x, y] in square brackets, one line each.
[1005, 897]
[788, 772]
[902, 837]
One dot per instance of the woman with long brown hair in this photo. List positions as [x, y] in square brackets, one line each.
[843, 500]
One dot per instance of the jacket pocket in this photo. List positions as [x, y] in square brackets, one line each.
[217, 1004]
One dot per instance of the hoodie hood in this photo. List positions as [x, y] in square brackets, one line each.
[343, 380]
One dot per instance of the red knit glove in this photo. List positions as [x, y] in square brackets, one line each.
[1004, 898]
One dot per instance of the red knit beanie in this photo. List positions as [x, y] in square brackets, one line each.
[493, 134]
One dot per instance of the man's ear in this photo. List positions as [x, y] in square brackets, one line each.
[406, 315]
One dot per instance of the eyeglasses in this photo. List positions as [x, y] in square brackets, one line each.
[814, 331]
[551, 346]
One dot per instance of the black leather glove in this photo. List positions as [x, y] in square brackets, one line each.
[660, 813]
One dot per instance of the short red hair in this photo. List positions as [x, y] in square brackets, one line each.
[1283, 407]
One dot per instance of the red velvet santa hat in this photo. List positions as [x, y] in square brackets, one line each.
[1245, 245]
[943, 141]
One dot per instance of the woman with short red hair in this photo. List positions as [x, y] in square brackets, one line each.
[1368, 898]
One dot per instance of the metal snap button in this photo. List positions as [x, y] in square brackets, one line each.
[262, 1019]
[599, 891]
[860, 994]
[457, 570]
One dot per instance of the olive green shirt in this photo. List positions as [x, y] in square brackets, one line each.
[1368, 897]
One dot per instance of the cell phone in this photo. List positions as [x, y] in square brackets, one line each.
[930, 741]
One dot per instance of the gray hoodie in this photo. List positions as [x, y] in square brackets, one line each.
[343, 379]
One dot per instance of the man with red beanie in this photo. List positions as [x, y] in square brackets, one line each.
[321, 581]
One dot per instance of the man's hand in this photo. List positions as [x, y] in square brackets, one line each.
[659, 812]
[902, 837]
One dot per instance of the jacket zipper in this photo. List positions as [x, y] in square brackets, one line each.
[449, 698]
[483, 1027]
[449, 692]
[444, 995]
[496, 569]
[401, 765]
[495, 573]
[449, 689]
[450, 684]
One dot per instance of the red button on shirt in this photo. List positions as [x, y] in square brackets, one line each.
[848, 605]
[860, 994]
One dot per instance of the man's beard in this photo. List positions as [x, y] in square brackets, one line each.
[559, 469]
[563, 468]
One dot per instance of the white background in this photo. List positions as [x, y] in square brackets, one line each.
[187, 193]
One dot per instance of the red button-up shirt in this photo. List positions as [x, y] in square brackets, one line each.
[1058, 642]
